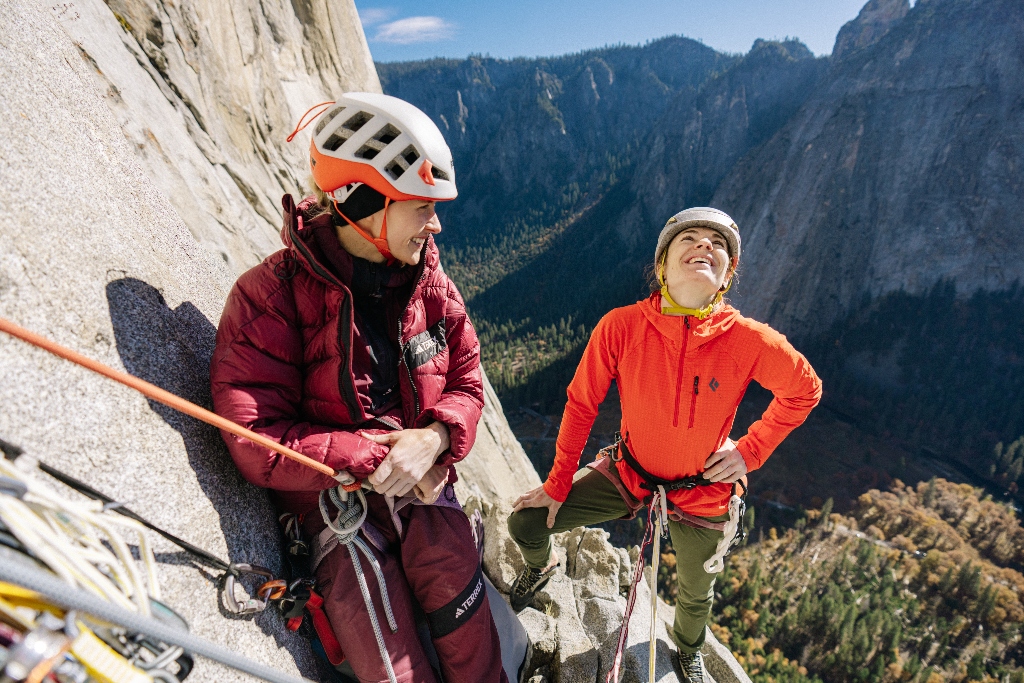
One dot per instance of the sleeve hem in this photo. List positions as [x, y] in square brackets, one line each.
[554, 490]
[748, 456]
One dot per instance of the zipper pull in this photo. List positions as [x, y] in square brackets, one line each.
[696, 385]
[686, 319]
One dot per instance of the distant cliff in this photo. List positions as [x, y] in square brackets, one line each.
[879, 193]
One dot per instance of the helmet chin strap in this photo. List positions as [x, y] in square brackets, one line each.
[670, 307]
[381, 243]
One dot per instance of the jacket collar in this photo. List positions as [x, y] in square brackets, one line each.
[674, 326]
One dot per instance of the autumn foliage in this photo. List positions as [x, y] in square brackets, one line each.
[920, 583]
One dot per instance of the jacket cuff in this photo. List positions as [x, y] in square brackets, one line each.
[460, 437]
[743, 446]
[558, 493]
[360, 461]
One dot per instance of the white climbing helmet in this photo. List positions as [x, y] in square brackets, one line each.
[384, 142]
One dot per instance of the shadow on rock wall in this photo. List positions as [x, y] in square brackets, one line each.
[171, 348]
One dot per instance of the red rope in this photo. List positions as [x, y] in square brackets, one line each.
[638, 576]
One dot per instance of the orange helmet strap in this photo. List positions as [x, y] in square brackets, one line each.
[381, 243]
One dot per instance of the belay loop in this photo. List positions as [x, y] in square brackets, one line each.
[352, 513]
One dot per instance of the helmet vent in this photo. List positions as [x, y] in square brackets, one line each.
[438, 173]
[400, 164]
[345, 131]
[327, 118]
[357, 121]
[378, 142]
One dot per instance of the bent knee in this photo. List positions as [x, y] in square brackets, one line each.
[528, 525]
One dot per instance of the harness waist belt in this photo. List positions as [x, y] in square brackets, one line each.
[651, 482]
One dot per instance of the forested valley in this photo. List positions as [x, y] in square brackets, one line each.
[880, 197]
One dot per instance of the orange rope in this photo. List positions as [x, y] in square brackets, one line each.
[157, 394]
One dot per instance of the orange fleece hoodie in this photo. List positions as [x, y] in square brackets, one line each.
[680, 382]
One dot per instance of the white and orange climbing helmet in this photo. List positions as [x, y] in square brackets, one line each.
[379, 141]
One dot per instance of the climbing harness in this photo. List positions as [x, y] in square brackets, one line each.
[658, 507]
[352, 511]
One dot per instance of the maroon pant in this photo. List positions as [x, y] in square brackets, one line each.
[433, 562]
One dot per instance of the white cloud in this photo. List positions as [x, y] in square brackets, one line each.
[415, 30]
[375, 15]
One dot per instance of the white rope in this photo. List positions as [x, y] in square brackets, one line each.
[350, 523]
[79, 541]
[716, 562]
[659, 508]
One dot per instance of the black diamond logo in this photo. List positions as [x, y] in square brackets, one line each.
[713, 384]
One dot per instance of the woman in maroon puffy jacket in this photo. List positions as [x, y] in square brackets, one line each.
[353, 347]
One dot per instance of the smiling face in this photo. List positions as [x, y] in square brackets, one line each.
[409, 225]
[697, 266]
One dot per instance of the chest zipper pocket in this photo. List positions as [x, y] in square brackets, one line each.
[693, 400]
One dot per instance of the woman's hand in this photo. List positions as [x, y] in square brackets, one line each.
[413, 452]
[726, 464]
[538, 498]
[432, 483]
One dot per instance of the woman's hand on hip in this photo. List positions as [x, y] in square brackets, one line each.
[413, 452]
[726, 464]
[538, 498]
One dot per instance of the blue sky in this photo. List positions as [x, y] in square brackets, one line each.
[402, 30]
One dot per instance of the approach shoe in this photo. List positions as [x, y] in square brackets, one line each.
[691, 667]
[526, 585]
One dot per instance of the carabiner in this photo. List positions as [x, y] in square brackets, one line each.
[251, 605]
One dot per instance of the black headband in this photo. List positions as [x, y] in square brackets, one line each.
[364, 201]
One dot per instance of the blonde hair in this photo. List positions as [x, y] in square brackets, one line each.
[321, 197]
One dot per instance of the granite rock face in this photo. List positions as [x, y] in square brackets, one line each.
[107, 267]
[207, 93]
[157, 133]
[874, 21]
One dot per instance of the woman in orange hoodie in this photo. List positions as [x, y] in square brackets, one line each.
[682, 359]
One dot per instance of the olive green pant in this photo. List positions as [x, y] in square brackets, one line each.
[594, 499]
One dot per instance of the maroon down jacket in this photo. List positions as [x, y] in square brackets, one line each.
[283, 366]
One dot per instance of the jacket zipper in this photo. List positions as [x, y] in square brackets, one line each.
[693, 400]
[679, 376]
[348, 389]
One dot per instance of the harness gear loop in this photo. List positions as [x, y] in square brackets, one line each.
[352, 513]
[301, 126]
[381, 243]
